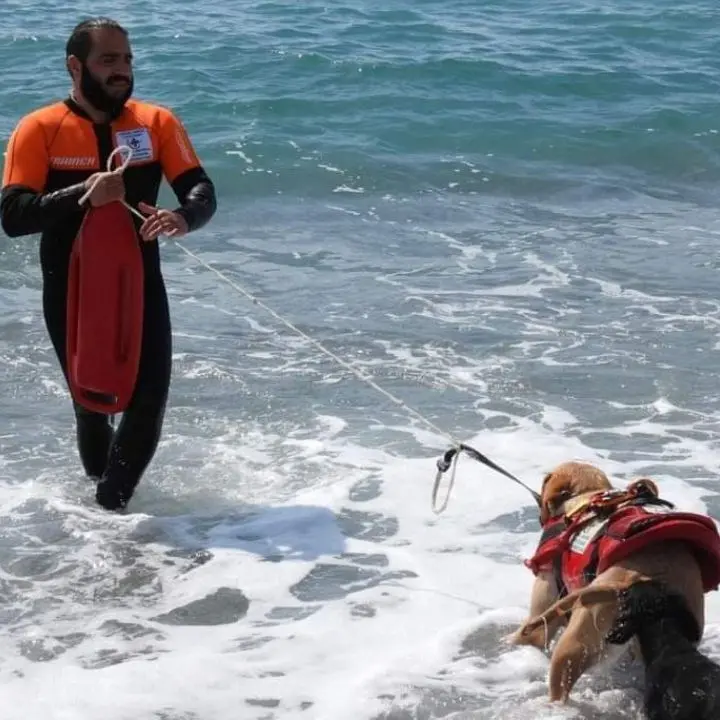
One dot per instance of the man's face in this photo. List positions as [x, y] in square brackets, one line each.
[106, 78]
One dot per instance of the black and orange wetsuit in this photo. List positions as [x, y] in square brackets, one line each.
[51, 152]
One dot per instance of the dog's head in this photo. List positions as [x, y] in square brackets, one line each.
[567, 482]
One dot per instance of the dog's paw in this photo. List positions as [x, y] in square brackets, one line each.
[524, 636]
[513, 638]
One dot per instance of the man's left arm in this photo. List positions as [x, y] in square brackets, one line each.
[182, 169]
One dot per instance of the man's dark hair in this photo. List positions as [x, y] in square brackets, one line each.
[79, 43]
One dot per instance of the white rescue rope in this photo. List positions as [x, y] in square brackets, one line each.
[117, 171]
[357, 373]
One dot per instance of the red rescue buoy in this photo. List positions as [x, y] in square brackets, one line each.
[105, 310]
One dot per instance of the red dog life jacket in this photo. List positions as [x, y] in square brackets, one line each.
[577, 550]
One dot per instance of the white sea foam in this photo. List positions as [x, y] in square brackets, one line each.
[359, 599]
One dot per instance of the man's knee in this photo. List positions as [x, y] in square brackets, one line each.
[147, 408]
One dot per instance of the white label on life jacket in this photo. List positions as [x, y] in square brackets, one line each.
[658, 509]
[581, 541]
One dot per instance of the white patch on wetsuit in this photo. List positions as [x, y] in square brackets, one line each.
[138, 140]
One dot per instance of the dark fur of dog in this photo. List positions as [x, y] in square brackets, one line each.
[680, 682]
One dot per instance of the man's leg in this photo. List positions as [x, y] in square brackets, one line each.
[94, 435]
[138, 434]
[94, 432]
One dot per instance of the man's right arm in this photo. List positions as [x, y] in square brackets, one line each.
[24, 208]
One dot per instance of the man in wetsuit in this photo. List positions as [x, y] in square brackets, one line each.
[55, 155]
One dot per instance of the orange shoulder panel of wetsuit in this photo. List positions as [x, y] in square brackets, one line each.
[27, 159]
[175, 152]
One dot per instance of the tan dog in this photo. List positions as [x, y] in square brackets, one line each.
[593, 609]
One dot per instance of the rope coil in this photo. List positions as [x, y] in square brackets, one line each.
[117, 171]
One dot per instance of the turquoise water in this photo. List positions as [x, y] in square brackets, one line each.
[549, 101]
[505, 214]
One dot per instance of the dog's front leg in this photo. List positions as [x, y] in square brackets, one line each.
[582, 644]
[544, 595]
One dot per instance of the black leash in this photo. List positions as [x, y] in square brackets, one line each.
[451, 457]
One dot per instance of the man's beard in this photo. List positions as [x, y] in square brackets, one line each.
[95, 93]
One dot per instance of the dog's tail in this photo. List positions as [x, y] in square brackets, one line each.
[644, 604]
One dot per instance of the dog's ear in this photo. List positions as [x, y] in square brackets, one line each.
[556, 489]
[544, 510]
